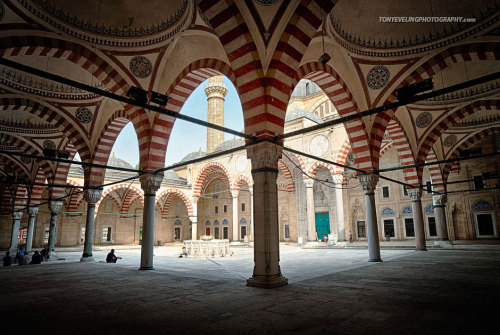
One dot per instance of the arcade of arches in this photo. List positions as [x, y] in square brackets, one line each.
[262, 194]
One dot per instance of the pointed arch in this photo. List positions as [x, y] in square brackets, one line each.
[168, 194]
[203, 177]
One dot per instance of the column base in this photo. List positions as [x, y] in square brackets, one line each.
[87, 259]
[375, 260]
[443, 243]
[146, 268]
[267, 281]
[420, 249]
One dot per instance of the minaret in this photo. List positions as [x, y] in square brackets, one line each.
[215, 90]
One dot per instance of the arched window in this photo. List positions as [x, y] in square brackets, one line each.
[177, 223]
[387, 211]
[225, 221]
[243, 221]
[407, 210]
[482, 205]
[207, 223]
[216, 222]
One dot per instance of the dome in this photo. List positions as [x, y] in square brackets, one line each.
[117, 162]
[304, 88]
[194, 155]
[172, 175]
[299, 113]
[226, 145]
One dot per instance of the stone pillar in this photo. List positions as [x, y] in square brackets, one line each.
[311, 219]
[418, 218]
[32, 211]
[194, 219]
[16, 223]
[235, 194]
[252, 232]
[55, 207]
[439, 204]
[339, 206]
[266, 273]
[91, 196]
[369, 182]
[150, 184]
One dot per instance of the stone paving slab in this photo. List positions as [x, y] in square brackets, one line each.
[337, 292]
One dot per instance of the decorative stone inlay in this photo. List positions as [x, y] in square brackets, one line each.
[415, 194]
[141, 66]
[350, 158]
[48, 144]
[439, 199]
[450, 140]
[429, 209]
[267, 2]
[387, 211]
[368, 182]
[378, 77]
[481, 205]
[424, 119]
[241, 163]
[83, 114]
[407, 210]
[319, 145]
[26, 160]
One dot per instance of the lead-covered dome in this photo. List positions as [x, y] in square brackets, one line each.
[117, 162]
[299, 114]
[226, 145]
[194, 155]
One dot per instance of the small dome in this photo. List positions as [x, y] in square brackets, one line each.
[299, 113]
[117, 162]
[171, 175]
[226, 145]
[194, 155]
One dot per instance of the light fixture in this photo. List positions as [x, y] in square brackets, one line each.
[49, 153]
[62, 154]
[138, 94]
[159, 99]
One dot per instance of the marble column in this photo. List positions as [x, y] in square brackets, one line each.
[150, 184]
[369, 182]
[54, 207]
[312, 235]
[235, 194]
[418, 218]
[91, 196]
[32, 211]
[194, 219]
[16, 224]
[339, 206]
[439, 204]
[251, 218]
[266, 273]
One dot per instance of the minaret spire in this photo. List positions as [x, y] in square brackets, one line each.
[216, 91]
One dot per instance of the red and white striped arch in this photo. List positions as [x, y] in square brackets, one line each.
[449, 121]
[71, 51]
[435, 172]
[131, 194]
[115, 188]
[168, 195]
[405, 151]
[318, 166]
[455, 54]
[19, 202]
[290, 185]
[240, 181]
[206, 171]
[342, 155]
[73, 201]
[61, 171]
[464, 144]
[336, 89]
[37, 190]
[386, 145]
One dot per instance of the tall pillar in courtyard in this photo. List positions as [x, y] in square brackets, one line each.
[149, 184]
[311, 219]
[266, 273]
[16, 223]
[439, 204]
[252, 231]
[235, 194]
[369, 182]
[32, 211]
[54, 207]
[418, 218]
[194, 219]
[339, 206]
[216, 91]
[91, 197]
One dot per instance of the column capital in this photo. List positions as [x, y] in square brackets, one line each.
[92, 196]
[415, 194]
[150, 183]
[32, 211]
[309, 182]
[17, 215]
[368, 182]
[439, 199]
[235, 193]
[264, 156]
[55, 206]
[338, 178]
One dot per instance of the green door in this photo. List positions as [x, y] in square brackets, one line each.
[322, 225]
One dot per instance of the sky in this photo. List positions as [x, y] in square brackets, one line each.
[186, 137]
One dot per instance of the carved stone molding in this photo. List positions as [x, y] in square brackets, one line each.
[264, 156]
[32, 211]
[235, 193]
[309, 183]
[150, 183]
[439, 199]
[415, 194]
[55, 206]
[92, 196]
[368, 182]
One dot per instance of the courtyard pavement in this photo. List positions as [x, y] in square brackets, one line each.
[330, 291]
